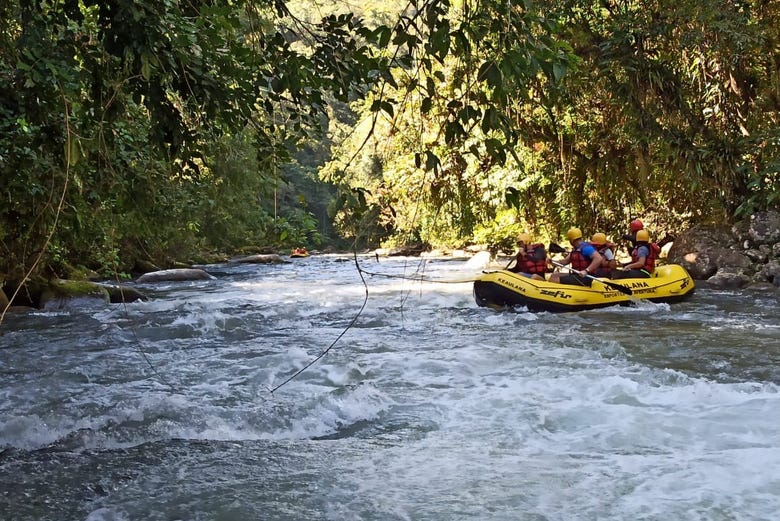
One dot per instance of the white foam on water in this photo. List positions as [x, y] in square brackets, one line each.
[479, 261]
[428, 408]
[107, 514]
[584, 446]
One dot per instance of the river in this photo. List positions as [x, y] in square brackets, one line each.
[427, 408]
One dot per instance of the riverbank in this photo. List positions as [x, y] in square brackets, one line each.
[719, 256]
[734, 256]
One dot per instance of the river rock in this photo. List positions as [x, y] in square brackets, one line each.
[770, 272]
[178, 274]
[765, 228]
[260, 258]
[704, 249]
[757, 255]
[69, 294]
[728, 279]
[119, 294]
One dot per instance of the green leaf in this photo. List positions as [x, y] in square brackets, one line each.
[490, 74]
[384, 34]
[559, 71]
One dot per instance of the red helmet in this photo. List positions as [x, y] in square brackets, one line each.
[635, 226]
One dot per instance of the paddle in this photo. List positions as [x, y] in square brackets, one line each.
[554, 248]
[623, 289]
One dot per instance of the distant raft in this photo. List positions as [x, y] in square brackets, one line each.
[504, 289]
[299, 252]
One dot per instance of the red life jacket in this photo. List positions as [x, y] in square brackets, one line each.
[578, 260]
[530, 264]
[654, 250]
[605, 264]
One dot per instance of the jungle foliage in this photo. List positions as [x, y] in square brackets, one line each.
[152, 130]
[540, 115]
[138, 130]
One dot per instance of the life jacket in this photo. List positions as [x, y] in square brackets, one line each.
[605, 264]
[578, 260]
[529, 263]
[654, 250]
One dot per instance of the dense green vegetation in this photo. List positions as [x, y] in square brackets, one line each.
[580, 112]
[155, 131]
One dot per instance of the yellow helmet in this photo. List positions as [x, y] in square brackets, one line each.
[642, 236]
[574, 233]
[598, 238]
[524, 237]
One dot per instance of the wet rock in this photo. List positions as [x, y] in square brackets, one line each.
[727, 279]
[118, 294]
[179, 274]
[762, 287]
[68, 294]
[770, 272]
[260, 258]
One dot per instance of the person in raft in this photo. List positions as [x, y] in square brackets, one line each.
[584, 260]
[642, 259]
[633, 227]
[607, 251]
[531, 260]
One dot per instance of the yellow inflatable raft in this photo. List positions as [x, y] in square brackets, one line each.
[502, 289]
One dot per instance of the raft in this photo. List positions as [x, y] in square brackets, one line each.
[299, 252]
[503, 289]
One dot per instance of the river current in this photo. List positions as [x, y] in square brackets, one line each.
[427, 408]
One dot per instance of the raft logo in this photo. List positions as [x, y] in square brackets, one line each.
[511, 284]
[555, 294]
[684, 284]
[640, 285]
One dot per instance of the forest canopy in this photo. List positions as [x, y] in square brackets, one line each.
[151, 131]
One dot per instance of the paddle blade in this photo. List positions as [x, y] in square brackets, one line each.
[555, 248]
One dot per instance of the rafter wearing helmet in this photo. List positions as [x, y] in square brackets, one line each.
[584, 260]
[607, 251]
[531, 260]
[643, 258]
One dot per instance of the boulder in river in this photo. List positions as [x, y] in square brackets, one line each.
[119, 294]
[72, 294]
[178, 274]
[732, 256]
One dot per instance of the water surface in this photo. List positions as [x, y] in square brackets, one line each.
[428, 407]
